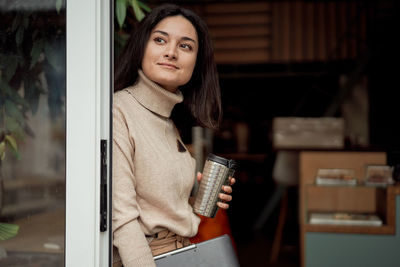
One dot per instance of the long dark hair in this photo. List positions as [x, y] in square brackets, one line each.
[202, 95]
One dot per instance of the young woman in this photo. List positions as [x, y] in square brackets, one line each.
[167, 60]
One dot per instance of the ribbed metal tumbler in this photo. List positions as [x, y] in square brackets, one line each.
[216, 172]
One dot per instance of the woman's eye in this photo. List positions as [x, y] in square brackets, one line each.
[186, 46]
[159, 40]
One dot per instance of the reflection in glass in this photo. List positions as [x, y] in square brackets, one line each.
[32, 132]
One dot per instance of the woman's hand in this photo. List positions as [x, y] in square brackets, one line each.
[226, 188]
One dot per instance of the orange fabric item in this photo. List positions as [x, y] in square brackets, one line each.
[213, 227]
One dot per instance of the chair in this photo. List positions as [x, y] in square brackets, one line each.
[285, 174]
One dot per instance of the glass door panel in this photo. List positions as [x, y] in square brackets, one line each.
[32, 132]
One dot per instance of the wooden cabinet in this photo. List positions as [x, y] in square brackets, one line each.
[357, 199]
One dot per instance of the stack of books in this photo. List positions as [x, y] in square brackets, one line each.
[335, 177]
[379, 175]
[345, 219]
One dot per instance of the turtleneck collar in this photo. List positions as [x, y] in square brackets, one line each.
[153, 97]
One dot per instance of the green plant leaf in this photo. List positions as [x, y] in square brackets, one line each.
[20, 57]
[19, 36]
[16, 154]
[54, 56]
[8, 231]
[12, 125]
[58, 6]
[37, 49]
[13, 111]
[144, 6]
[32, 95]
[5, 87]
[17, 99]
[2, 150]
[13, 94]
[16, 22]
[12, 142]
[15, 128]
[136, 8]
[121, 11]
[9, 65]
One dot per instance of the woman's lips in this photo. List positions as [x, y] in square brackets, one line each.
[168, 65]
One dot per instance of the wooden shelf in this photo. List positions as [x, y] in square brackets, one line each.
[389, 228]
[351, 199]
[350, 229]
[355, 199]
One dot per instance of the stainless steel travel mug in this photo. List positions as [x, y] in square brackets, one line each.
[216, 172]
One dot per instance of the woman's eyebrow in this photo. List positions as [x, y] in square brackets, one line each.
[162, 32]
[183, 38]
[188, 39]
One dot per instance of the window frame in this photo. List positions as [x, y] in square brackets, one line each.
[88, 121]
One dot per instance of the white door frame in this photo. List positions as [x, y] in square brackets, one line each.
[89, 69]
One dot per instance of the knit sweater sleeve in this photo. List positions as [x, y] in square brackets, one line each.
[128, 237]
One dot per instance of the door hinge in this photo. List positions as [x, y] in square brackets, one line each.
[103, 186]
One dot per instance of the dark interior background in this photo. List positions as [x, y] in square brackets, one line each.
[256, 92]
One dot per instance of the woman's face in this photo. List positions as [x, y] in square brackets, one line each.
[170, 53]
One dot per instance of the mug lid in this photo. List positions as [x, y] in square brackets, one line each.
[230, 163]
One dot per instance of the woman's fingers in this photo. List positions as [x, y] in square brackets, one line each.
[199, 176]
[227, 189]
[225, 197]
[223, 205]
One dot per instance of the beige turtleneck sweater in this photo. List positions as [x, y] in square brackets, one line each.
[152, 180]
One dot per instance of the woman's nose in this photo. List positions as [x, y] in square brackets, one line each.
[170, 52]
